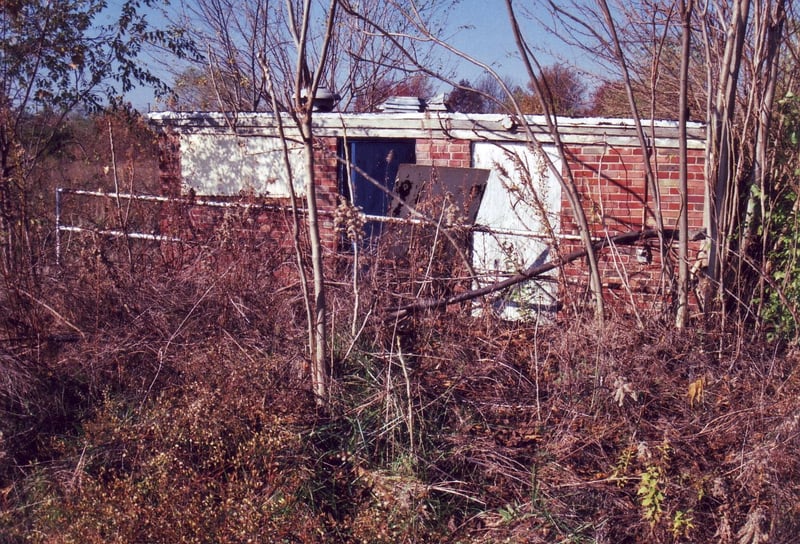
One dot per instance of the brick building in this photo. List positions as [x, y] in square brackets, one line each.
[522, 214]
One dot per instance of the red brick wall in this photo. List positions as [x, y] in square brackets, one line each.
[169, 172]
[196, 222]
[455, 153]
[611, 181]
[326, 175]
[169, 163]
[612, 184]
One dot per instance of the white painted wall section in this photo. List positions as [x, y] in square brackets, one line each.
[229, 165]
[522, 198]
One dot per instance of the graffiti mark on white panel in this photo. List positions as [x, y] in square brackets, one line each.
[228, 165]
[522, 205]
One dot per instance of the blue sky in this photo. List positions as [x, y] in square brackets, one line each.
[480, 28]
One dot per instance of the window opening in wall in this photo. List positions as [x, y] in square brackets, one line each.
[379, 160]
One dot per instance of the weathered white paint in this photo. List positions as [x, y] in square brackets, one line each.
[435, 124]
[229, 165]
[522, 195]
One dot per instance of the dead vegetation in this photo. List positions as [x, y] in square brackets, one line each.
[169, 402]
[160, 393]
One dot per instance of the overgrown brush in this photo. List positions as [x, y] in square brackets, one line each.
[169, 401]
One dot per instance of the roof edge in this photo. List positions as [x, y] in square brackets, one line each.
[473, 127]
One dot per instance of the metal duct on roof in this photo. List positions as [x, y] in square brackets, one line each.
[402, 104]
[324, 100]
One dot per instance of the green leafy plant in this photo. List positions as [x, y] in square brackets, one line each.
[651, 494]
[512, 512]
[620, 470]
[682, 523]
[781, 287]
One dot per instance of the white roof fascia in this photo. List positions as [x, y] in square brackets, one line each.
[472, 127]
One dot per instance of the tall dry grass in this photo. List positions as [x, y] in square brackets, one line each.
[162, 395]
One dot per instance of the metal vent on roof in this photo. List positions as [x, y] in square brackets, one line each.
[403, 104]
[437, 103]
[324, 100]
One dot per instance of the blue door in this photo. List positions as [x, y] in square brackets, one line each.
[373, 166]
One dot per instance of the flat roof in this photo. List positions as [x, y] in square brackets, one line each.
[433, 124]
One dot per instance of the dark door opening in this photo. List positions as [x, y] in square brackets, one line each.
[373, 165]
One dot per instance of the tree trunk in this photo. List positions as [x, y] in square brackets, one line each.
[306, 85]
[319, 369]
[719, 153]
[682, 313]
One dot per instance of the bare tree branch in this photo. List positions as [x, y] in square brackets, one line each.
[536, 270]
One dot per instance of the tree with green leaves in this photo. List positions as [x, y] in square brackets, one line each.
[58, 57]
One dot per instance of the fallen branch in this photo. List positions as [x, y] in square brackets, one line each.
[53, 311]
[535, 270]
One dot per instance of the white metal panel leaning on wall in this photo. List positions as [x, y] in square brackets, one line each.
[521, 204]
